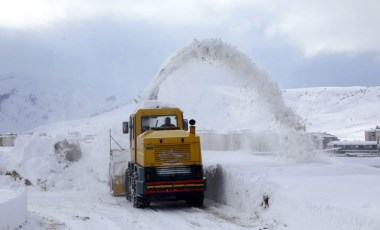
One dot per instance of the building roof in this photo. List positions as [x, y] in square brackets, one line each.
[8, 135]
[377, 129]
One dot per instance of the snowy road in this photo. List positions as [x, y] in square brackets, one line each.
[78, 210]
[302, 196]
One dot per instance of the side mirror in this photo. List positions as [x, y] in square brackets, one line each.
[185, 124]
[125, 127]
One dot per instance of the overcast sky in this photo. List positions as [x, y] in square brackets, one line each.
[299, 43]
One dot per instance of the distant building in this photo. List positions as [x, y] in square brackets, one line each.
[354, 148]
[372, 134]
[7, 139]
[321, 140]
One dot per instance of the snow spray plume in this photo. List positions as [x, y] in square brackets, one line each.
[214, 50]
[225, 91]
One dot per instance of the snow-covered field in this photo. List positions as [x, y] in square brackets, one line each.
[229, 97]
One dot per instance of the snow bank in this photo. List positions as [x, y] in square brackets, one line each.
[13, 205]
[71, 155]
[284, 144]
[38, 159]
[341, 194]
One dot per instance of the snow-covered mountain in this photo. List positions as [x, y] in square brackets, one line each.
[28, 101]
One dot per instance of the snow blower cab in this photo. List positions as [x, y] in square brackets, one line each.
[165, 158]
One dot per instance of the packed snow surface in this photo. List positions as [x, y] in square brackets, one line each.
[12, 208]
[233, 103]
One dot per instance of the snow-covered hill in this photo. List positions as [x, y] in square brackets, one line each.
[28, 101]
[345, 112]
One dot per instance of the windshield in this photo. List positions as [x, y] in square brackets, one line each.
[164, 121]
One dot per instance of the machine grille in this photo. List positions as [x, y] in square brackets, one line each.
[165, 171]
[172, 153]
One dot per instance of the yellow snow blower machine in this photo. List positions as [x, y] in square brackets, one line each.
[165, 159]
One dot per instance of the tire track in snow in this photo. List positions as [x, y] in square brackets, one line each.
[80, 210]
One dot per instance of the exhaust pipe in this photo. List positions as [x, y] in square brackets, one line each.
[192, 126]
